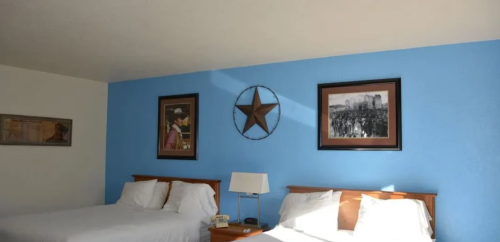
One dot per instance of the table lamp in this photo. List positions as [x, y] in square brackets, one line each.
[252, 184]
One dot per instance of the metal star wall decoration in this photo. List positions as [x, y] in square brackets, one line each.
[256, 113]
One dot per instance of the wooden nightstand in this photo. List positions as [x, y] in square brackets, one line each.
[233, 232]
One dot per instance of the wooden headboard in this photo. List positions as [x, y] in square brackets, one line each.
[351, 199]
[215, 184]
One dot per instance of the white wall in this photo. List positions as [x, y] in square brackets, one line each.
[35, 178]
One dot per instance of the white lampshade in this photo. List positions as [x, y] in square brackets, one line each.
[249, 182]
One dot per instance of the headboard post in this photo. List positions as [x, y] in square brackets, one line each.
[351, 199]
[215, 184]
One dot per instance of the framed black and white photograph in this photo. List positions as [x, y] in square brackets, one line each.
[361, 115]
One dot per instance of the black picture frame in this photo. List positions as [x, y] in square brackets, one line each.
[165, 106]
[393, 141]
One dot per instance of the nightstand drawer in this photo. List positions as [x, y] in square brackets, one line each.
[224, 238]
[232, 233]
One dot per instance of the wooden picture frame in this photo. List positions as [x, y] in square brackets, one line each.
[178, 127]
[360, 115]
[35, 131]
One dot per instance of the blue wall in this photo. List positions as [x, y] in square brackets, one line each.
[451, 119]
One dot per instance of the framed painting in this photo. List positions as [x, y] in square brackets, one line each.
[178, 127]
[360, 115]
[30, 130]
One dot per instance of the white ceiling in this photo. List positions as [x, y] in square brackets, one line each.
[114, 40]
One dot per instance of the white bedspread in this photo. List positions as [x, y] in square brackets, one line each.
[111, 223]
[280, 234]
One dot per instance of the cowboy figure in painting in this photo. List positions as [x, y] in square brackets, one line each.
[59, 133]
[174, 137]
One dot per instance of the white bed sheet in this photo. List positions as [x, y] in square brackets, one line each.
[110, 223]
[280, 234]
[205, 233]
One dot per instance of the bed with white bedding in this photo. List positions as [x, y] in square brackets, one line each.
[310, 214]
[148, 211]
[110, 223]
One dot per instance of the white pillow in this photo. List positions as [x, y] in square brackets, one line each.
[313, 214]
[177, 190]
[425, 213]
[195, 200]
[137, 194]
[199, 203]
[159, 195]
[392, 219]
[292, 200]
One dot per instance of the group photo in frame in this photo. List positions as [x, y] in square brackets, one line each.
[178, 127]
[360, 115]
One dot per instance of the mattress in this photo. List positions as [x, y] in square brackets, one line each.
[280, 234]
[111, 223]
